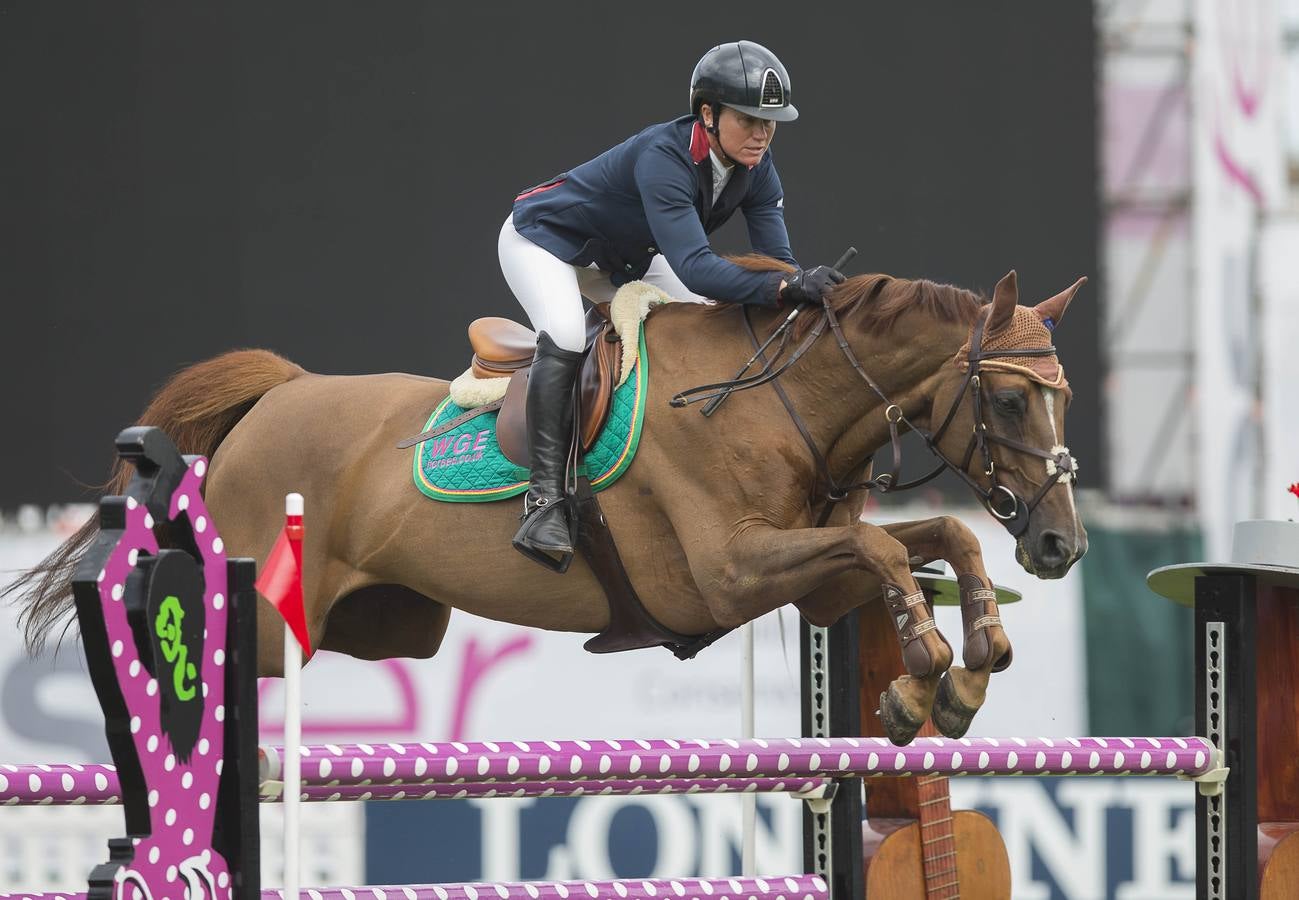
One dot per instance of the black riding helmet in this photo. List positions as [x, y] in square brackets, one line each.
[746, 77]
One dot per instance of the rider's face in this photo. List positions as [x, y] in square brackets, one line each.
[744, 138]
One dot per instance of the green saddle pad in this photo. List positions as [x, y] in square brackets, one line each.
[466, 464]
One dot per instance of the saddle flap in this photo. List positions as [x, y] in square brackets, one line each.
[598, 380]
[512, 422]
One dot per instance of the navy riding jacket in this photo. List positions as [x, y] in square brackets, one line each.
[651, 194]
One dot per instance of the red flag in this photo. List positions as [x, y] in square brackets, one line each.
[281, 581]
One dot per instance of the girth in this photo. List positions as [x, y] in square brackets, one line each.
[631, 626]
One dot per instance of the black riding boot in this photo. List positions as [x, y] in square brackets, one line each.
[545, 535]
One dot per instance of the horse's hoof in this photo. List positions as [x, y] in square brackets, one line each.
[1003, 663]
[951, 715]
[900, 722]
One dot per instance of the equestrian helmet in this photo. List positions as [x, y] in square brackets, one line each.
[744, 76]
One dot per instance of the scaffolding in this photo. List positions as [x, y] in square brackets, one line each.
[1147, 344]
[1148, 326]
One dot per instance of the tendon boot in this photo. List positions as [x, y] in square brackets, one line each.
[546, 534]
[912, 619]
[985, 640]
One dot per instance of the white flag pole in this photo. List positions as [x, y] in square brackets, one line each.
[293, 506]
[749, 801]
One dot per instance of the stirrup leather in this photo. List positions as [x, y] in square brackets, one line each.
[531, 506]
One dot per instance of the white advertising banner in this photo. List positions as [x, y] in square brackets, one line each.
[1279, 271]
[1239, 175]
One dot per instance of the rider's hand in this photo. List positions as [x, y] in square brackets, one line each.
[810, 285]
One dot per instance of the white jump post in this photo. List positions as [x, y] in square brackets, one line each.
[749, 802]
[293, 510]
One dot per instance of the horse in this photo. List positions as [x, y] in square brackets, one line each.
[719, 519]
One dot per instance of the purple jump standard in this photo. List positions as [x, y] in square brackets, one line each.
[532, 761]
[788, 887]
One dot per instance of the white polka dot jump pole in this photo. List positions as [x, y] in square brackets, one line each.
[451, 763]
[77, 784]
[788, 887]
[574, 768]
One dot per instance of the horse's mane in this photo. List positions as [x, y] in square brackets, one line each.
[877, 301]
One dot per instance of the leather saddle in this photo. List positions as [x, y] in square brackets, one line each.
[504, 349]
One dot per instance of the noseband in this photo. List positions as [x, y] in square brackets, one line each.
[1010, 509]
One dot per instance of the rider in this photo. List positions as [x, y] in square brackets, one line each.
[643, 210]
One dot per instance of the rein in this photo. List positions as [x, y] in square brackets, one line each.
[1003, 503]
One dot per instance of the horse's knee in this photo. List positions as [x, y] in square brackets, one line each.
[888, 559]
[958, 536]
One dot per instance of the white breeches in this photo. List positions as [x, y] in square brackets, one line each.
[551, 291]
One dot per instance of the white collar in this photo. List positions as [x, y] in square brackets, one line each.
[720, 169]
[721, 174]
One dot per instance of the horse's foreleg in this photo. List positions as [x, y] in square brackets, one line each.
[769, 567]
[986, 647]
[948, 538]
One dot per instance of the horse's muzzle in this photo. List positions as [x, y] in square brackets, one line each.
[1050, 553]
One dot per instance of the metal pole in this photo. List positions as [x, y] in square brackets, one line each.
[749, 807]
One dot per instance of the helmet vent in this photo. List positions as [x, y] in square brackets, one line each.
[773, 92]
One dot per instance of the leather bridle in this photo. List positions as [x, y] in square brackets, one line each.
[1012, 510]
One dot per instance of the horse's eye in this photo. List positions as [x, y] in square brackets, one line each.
[1010, 403]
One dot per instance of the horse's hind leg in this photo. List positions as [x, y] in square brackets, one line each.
[963, 689]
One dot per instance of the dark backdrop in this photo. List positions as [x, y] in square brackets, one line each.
[327, 179]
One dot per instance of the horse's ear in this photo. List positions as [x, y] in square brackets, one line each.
[1052, 311]
[1004, 300]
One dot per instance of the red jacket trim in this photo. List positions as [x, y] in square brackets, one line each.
[539, 190]
[698, 143]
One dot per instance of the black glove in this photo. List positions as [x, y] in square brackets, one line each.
[809, 286]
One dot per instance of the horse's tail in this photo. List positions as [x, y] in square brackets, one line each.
[197, 408]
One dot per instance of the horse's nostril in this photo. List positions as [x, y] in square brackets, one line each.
[1052, 549]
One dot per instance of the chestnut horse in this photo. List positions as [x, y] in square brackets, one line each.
[717, 517]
